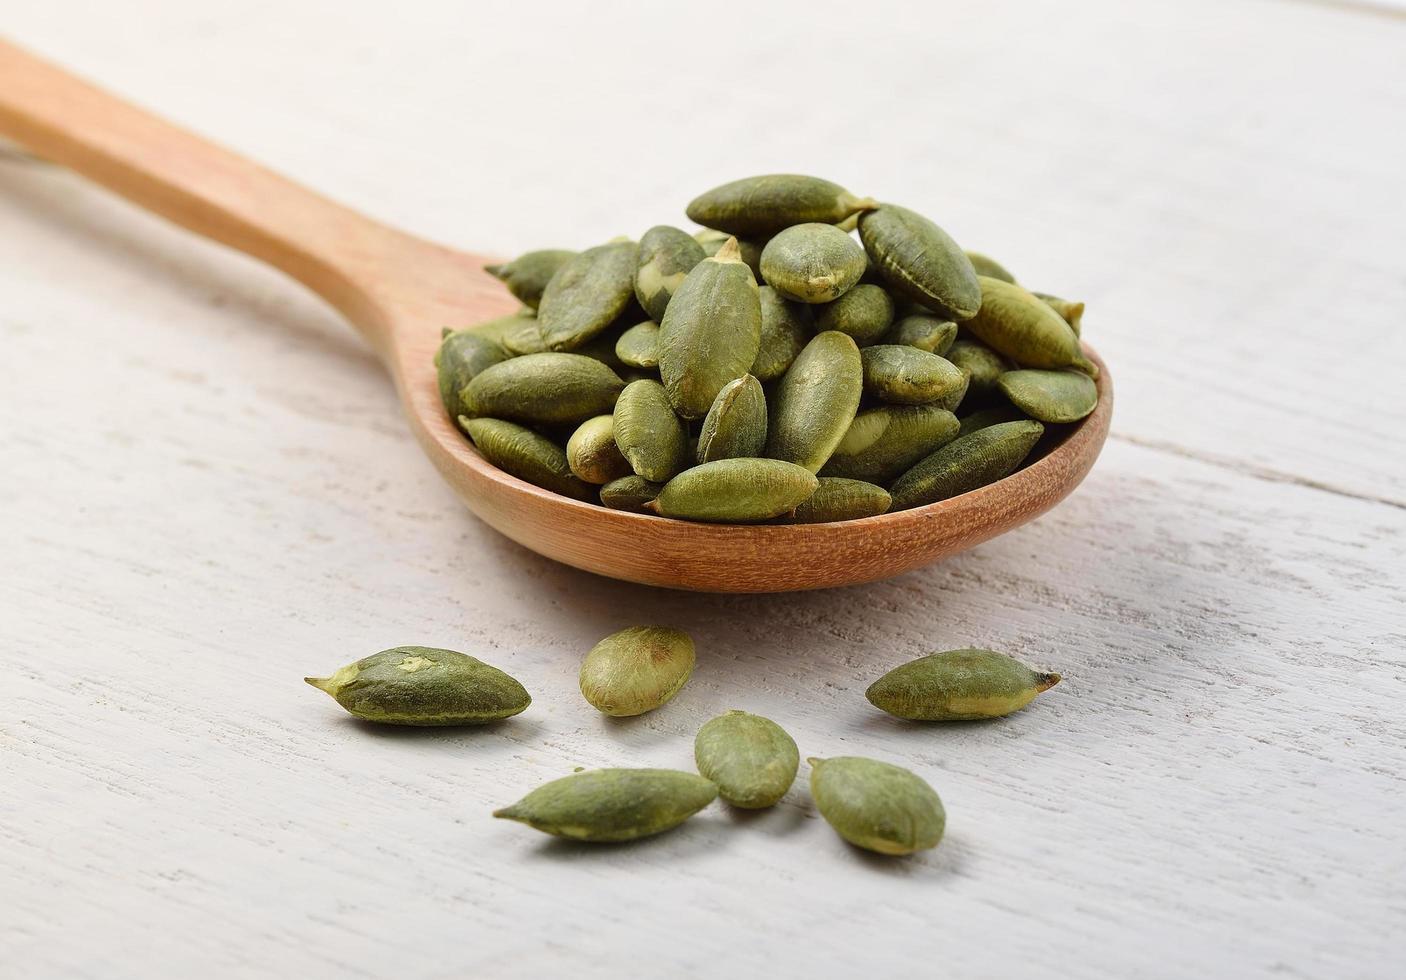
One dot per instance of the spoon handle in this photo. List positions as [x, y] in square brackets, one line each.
[336, 252]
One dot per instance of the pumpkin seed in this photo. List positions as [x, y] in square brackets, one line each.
[1019, 325]
[812, 263]
[840, 499]
[920, 261]
[987, 417]
[636, 670]
[903, 375]
[877, 806]
[497, 328]
[424, 686]
[865, 313]
[710, 333]
[612, 804]
[786, 326]
[884, 442]
[982, 365]
[1051, 396]
[736, 424]
[528, 274]
[524, 337]
[973, 461]
[735, 491]
[815, 401]
[666, 256]
[592, 454]
[958, 685]
[548, 388]
[638, 346]
[587, 293]
[1071, 311]
[711, 240]
[649, 433]
[923, 331]
[526, 455]
[629, 493]
[985, 265]
[462, 355]
[750, 758]
[759, 206]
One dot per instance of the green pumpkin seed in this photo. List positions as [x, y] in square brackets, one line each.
[760, 206]
[987, 417]
[592, 454]
[736, 424]
[735, 491]
[920, 261]
[973, 461]
[786, 326]
[958, 685]
[666, 256]
[547, 388]
[884, 442]
[587, 294]
[638, 346]
[985, 265]
[649, 433]
[751, 253]
[636, 670]
[524, 337]
[750, 758]
[612, 804]
[903, 375]
[525, 454]
[840, 499]
[1071, 311]
[923, 331]
[815, 401]
[982, 365]
[629, 493]
[711, 239]
[499, 327]
[1021, 326]
[424, 686]
[1051, 396]
[710, 333]
[877, 806]
[460, 357]
[812, 263]
[865, 313]
[527, 275]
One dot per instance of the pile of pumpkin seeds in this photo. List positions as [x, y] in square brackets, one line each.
[770, 366]
[748, 760]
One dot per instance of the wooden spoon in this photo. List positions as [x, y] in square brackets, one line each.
[399, 291]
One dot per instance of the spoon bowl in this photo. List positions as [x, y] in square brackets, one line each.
[399, 291]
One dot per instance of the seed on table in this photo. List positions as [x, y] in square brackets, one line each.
[629, 493]
[638, 347]
[786, 328]
[762, 206]
[548, 388]
[735, 491]
[903, 375]
[1023, 327]
[877, 806]
[841, 499]
[587, 294]
[865, 313]
[648, 432]
[592, 454]
[958, 685]
[636, 670]
[666, 256]
[812, 263]
[613, 804]
[882, 443]
[527, 275]
[967, 463]
[460, 357]
[424, 686]
[710, 333]
[750, 758]
[527, 455]
[1050, 396]
[920, 261]
[815, 401]
[923, 331]
[736, 424]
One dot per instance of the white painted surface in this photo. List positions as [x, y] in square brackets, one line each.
[206, 492]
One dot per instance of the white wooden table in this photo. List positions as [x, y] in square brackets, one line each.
[206, 492]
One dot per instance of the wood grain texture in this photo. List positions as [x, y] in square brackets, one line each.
[207, 492]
